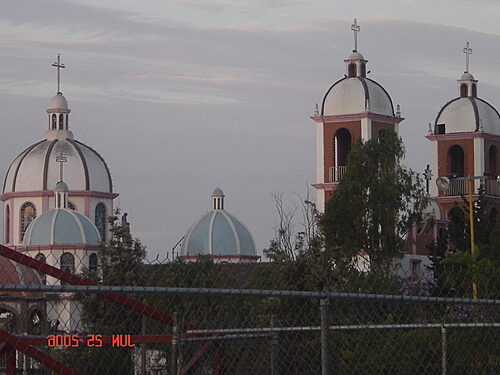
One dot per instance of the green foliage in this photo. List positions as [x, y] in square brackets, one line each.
[374, 204]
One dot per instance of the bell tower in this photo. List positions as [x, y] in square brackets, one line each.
[465, 143]
[355, 107]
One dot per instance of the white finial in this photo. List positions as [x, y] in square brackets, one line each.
[429, 130]
[59, 66]
[355, 27]
[316, 109]
[398, 111]
[468, 52]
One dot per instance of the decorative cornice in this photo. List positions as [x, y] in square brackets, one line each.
[463, 135]
[45, 193]
[329, 186]
[357, 117]
[58, 110]
[57, 247]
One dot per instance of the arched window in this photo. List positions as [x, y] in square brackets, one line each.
[100, 220]
[474, 90]
[351, 70]
[93, 262]
[28, 214]
[456, 166]
[67, 121]
[41, 258]
[463, 90]
[342, 147]
[8, 321]
[68, 263]
[363, 70]
[492, 159]
[54, 121]
[61, 121]
[7, 224]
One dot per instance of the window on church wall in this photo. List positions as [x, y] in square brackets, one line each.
[28, 214]
[54, 121]
[363, 70]
[35, 323]
[61, 121]
[41, 258]
[7, 224]
[492, 159]
[456, 164]
[93, 262]
[100, 220]
[351, 70]
[463, 90]
[67, 264]
[474, 90]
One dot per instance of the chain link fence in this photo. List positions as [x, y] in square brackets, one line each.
[311, 315]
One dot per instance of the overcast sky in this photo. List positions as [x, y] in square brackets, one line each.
[183, 96]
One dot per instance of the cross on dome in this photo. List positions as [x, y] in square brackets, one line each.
[468, 52]
[61, 159]
[59, 66]
[355, 27]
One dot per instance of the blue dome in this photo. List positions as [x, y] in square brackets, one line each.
[218, 233]
[61, 227]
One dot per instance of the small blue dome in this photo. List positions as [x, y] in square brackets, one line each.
[61, 227]
[218, 233]
[218, 191]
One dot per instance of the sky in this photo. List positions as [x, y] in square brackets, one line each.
[183, 96]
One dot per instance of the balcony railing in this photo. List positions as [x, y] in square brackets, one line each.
[336, 173]
[461, 187]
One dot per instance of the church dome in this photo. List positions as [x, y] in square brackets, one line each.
[58, 103]
[359, 94]
[469, 114]
[18, 274]
[218, 233]
[61, 226]
[36, 168]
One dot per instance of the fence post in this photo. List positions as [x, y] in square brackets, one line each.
[274, 347]
[175, 343]
[444, 351]
[325, 336]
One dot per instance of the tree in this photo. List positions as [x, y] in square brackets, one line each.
[288, 242]
[374, 204]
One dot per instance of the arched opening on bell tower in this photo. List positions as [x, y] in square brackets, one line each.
[341, 148]
[463, 90]
[456, 164]
[363, 69]
[351, 70]
[474, 90]
[492, 159]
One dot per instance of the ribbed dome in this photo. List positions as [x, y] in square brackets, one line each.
[36, 168]
[468, 114]
[61, 227]
[356, 95]
[58, 102]
[17, 274]
[218, 233]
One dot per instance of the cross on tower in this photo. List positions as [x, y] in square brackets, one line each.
[428, 177]
[468, 52]
[355, 27]
[61, 159]
[58, 65]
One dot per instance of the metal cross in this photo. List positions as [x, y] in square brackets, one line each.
[428, 177]
[58, 65]
[61, 159]
[468, 52]
[355, 27]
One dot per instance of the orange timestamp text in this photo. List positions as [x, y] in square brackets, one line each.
[90, 340]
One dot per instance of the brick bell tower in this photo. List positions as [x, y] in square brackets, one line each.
[465, 142]
[355, 107]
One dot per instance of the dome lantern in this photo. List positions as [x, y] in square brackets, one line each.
[355, 63]
[467, 83]
[58, 107]
[218, 199]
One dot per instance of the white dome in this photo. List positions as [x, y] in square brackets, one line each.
[36, 168]
[468, 114]
[356, 95]
[355, 55]
[467, 77]
[58, 102]
[61, 227]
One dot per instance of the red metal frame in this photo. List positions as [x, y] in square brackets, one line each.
[24, 344]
